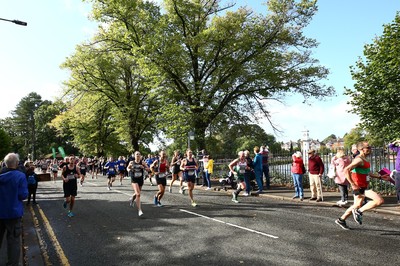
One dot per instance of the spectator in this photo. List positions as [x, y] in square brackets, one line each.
[340, 161]
[258, 168]
[265, 157]
[249, 173]
[298, 170]
[208, 170]
[315, 170]
[355, 152]
[32, 180]
[13, 190]
[396, 173]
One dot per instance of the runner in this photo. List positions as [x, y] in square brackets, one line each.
[160, 169]
[176, 171]
[136, 170]
[150, 159]
[96, 167]
[110, 168]
[121, 168]
[356, 173]
[82, 165]
[238, 169]
[189, 166]
[70, 174]
[54, 169]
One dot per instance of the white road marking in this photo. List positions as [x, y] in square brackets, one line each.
[230, 224]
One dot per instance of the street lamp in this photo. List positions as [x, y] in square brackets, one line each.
[190, 137]
[15, 21]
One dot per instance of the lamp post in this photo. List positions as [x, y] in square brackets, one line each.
[15, 21]
[190, 137]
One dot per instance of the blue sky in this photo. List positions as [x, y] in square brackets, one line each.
[30, 56]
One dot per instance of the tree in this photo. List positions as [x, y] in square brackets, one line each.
[329, 138]
[355, 136]
[5, 141]
[375, 96]
[24, 124]
[214, 61]
[88, 125]
[110, 76]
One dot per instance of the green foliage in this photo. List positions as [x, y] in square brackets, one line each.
[375, 96]
[212, 61]
[355, 136]
[5, 141]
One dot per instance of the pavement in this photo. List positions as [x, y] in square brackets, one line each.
[31, 251]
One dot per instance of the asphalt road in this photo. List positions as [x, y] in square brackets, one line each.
[256, 231]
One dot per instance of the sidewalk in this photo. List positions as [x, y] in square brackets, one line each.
[390, 206]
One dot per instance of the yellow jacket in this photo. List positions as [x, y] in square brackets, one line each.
[209, 166]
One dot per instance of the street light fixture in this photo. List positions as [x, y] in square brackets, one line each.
[15, 21]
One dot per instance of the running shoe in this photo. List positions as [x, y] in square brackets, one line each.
[65, 204]
[70, 214]
[159, 204]
[120, 183]
[170, 189]
[342, 223]
[140, 213]
[208, 188]
[357, 215]
[194, 204]
[108, 188]
[234, 197]
[245, 194]
[155, 200]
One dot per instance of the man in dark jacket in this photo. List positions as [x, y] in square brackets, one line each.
[13, 190]
[315, 170]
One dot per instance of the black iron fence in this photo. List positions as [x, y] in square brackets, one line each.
[280, 170]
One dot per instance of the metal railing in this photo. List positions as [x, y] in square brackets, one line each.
[280, 170]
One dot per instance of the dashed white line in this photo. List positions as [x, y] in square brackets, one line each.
[230, 224]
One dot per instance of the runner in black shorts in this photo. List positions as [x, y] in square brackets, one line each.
[176, 171]
[136, 170]
[111, 168]
[189, 166]
[160, 169]
[70, 174]
[83, 166]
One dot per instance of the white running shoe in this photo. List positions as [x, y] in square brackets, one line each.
[170, 189]
[140, 213]
[108, 188]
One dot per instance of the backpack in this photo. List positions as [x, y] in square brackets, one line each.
[31, 180]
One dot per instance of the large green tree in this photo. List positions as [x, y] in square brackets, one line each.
[5, 141]
[89, 126]
[213, 60]
[24, 124]
[102, 74]
[375, 96]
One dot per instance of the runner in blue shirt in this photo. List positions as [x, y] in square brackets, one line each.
[121, 168]
[111, 167]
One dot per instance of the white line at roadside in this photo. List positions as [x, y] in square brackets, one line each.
[230, 224]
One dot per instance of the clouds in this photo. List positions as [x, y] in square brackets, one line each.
[320, 118]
